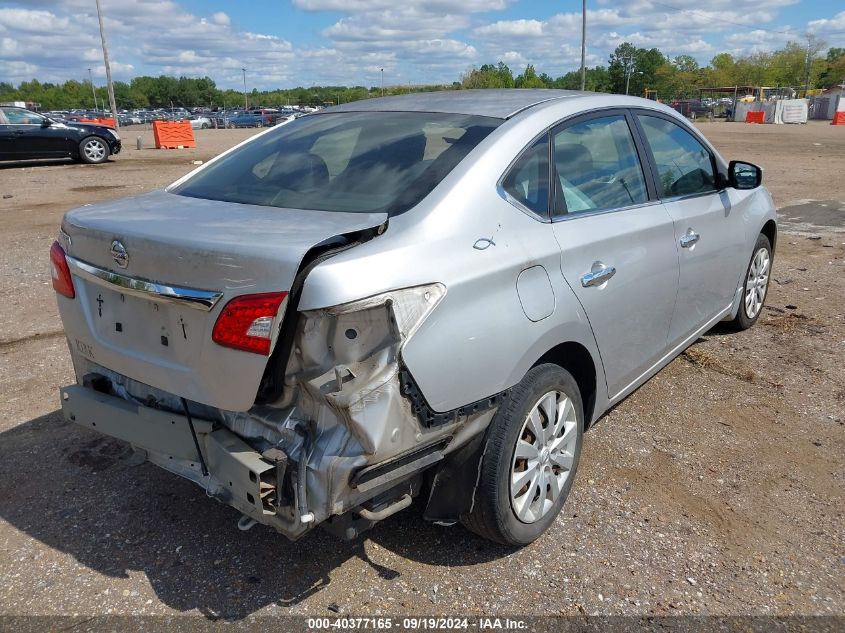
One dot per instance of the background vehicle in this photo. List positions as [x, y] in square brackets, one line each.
[690, 107]
[444, 291]
[222, 117]
[200, 122]
[25, 135]
[246, 119]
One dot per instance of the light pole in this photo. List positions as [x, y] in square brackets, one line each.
[583, 44]
[382, 82]
[93, 90]
[246, 105]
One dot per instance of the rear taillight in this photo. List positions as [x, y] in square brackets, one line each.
[62, 281]
[246, 323]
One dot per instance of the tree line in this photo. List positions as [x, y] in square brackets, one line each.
[635, 70]
[629, 68]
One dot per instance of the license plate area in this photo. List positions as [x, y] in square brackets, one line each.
[144, 327]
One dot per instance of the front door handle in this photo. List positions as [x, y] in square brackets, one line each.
[18, 133]
[597, 276]
[689, 239]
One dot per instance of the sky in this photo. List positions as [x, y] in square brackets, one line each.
[288, 43]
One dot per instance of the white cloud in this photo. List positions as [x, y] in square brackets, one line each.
[399, 24]
[160, 34]
[412, 40]
[220, 18]
[429, 6]
[837, 23]
[511, 28]
[27, 21]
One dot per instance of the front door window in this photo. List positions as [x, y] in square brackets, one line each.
[684, 165]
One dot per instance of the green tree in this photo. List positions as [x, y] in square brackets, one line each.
[722, 71]
[529, 79]
[488, 76]
[634, 68]
[596, 79]
[834, 71]
[621, 61]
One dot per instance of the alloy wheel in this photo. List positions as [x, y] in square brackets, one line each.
[757, 282]
[94, 150]
[543, 457]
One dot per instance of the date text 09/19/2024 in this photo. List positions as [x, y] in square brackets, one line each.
[415, 623]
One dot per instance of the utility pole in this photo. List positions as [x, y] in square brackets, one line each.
[246, 105]
[807, 66]
[629, 67]
[109, 83]
[382, 82]
[93, 90]
[583, 44]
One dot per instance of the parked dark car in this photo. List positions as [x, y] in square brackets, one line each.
[689, 107]
[25, 134]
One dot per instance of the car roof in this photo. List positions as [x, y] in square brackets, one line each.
[501, 104]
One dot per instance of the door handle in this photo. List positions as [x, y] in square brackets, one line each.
[18, 133]
[598, 276]
[689, 239]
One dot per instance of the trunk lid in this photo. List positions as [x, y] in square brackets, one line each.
[134, 319]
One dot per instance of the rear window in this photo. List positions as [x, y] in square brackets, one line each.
[361, 162]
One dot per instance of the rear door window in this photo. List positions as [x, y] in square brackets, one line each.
[684, 165]
[597, 167]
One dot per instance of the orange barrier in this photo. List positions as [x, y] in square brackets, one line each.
[838, 119]
[109, 122]
[755, 117]
[173, 134]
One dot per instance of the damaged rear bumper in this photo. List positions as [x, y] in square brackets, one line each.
[226, 466]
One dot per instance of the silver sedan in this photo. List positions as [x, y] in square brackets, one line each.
[430, 296]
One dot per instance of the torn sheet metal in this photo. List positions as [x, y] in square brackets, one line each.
[342, 409]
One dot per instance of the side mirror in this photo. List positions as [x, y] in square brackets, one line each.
[46, 123]
[742, 175]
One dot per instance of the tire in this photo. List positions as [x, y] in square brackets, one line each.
[756, 285]
[259, 124]
[93, 150]
[512, 517]
[205, 126]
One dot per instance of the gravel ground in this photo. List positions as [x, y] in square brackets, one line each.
[717, 488]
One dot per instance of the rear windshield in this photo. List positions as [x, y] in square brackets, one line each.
[362, 162]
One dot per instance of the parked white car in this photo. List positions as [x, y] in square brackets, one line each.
[200, 123]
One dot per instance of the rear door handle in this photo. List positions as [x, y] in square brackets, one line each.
[689, 239]
[598, 276]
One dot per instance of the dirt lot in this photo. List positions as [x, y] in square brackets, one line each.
[717, 488]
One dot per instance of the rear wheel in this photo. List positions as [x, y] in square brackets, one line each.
[258, 124]
[205, 126]
[756, 284]
[93, 150]
[532, 450]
